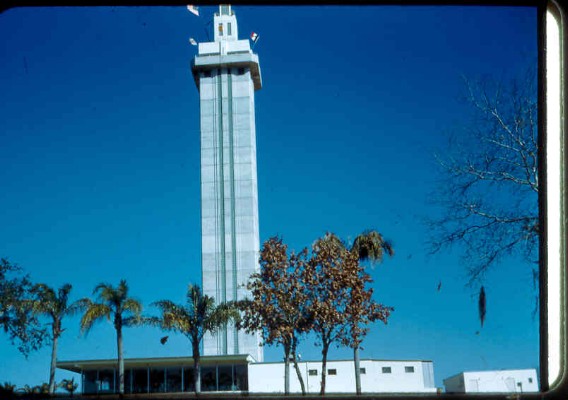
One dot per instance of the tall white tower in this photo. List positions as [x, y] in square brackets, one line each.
[227, 73]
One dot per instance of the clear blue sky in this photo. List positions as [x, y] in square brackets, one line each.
[99, 163]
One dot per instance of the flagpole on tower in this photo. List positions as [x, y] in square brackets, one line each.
[254, 37]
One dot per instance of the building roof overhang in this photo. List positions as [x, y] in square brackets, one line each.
[208, 62]
[83, 365]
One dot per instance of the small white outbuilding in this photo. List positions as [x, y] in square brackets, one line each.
[502, 381]
[377, 376]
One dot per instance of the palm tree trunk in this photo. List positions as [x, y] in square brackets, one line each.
[357, 370]
[196, 368]
[120, 362]
[53, 360]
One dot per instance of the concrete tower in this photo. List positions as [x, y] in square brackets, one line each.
[227, 73]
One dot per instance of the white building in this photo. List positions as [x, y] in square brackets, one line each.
[377, 376]
[240, 374]
[227, 73]
[503, 381]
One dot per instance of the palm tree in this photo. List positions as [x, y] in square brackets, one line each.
[198, 316]
[54, 305]
[368, 246]
[69, 385]
[112, 302]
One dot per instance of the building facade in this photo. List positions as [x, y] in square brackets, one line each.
[377, 376]
[240, 374]
[227, 73]
[502, 381]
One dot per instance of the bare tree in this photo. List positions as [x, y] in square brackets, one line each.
[489, 190]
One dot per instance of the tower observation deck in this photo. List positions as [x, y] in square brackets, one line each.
[227, 73]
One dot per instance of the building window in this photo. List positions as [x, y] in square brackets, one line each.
[229, 28]
[332, 372]
[220, 29]
[362, 371]
[409, 369]
[313, 372]
[530, 380]
[387, 370]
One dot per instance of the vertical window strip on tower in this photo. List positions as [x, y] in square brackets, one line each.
[223, 331]
[233, 214]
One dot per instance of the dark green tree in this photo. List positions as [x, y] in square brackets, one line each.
[16, 317]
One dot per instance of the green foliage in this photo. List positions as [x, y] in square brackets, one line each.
[112, 303]
[55, 306]
[7, 389]
[193, 319]
[16, 317]
[69, 385]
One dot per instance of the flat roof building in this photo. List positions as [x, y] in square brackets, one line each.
[239, 373]
[502, 381]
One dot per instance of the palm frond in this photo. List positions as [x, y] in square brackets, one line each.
[133, 306]
[370, 245]
[94, 313]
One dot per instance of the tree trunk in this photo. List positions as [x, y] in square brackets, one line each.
[300, 378]
[323, 367]
[297, 368]
[196, 368]
[55, 333]
[357, 370]
[286, 369]
[120, 362]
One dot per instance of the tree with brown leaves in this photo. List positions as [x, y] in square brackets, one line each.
[368, 246]
[340, 305]
[277, 307]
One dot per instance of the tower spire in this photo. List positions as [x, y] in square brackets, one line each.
[225, 24]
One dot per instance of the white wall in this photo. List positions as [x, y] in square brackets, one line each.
[504, 381]
[269, 377]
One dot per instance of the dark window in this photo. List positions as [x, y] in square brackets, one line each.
[332, 372]
[188, 385]
[89, 383]
[220, 29]
[530, 380]
[362, 371]
[225, 378]
[387, 370]
[408, 369]
[208, 379]
[229, 28]
[106, 380]
[313, 372]
[173, 380]
[240, 377]
[241, 71]
[157, 380]
[140, 380]
[206, 74]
